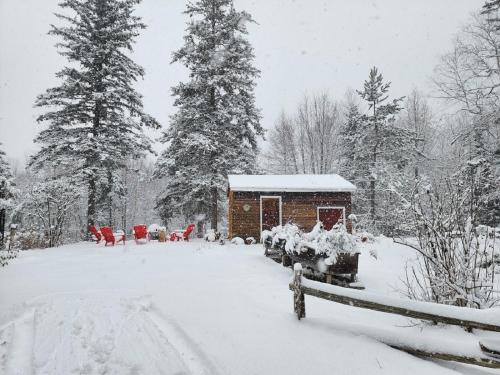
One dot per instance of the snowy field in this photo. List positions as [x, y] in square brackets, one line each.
[198, 308]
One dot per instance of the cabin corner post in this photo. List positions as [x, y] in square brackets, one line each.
[299, 305]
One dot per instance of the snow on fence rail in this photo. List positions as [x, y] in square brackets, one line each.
[488, 319]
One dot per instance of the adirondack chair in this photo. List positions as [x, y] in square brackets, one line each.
[182, 234]
[95, 233]
[110, 237]
[140, 233]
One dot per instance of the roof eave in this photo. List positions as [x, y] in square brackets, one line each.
[292, 190]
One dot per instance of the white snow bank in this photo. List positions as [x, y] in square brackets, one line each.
[96, 334]
[224, 309]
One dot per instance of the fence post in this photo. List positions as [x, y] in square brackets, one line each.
[299, 305]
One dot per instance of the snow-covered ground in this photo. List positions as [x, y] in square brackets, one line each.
[198, 308]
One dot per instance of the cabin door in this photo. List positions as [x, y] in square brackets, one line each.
[330, 216]
[270, 211]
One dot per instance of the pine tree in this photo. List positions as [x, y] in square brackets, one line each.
[349, 137]
[353, 162]
[382, 150]
[7, 193]
[215, 129]
[95, 116]
[479, 176]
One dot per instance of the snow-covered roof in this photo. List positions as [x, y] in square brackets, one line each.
[293, 183]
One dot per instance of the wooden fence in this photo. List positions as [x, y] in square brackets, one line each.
[493, 361]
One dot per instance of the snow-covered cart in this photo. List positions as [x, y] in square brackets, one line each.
[328, 256]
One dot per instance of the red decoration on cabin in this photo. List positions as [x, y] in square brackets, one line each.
[330, 216]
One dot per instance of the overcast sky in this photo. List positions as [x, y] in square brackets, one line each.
[301, 46]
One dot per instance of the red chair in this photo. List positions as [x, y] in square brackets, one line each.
[95, 233]
[182, 234]
[110, 237]
[140, 232]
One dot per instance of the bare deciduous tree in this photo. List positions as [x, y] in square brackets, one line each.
[306, 143]
[469, 77]
[417, 117]
[456, 263]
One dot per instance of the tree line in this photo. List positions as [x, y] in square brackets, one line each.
[92, 166]
[386, 145]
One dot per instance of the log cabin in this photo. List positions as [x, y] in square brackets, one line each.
[261, 202]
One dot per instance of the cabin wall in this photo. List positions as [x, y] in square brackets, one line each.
[298, 208]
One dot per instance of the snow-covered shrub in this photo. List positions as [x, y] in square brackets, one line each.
[210, 236]
[45, 207]
[327, 243]
[266, 236]
[250, 241]
[31, 238]
[213, 236]
[289, 233]
[237, 241]
[456, 264]
[7, 193]
[6, 255]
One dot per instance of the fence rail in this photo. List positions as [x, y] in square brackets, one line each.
[300, 290]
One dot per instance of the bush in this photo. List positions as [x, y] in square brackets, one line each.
[456, 263]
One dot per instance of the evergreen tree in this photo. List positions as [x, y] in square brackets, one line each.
[479, 176]
[7, 193]
[95, 116]
[381, 152]
[353, 164]
[348, 139]
[215, 129]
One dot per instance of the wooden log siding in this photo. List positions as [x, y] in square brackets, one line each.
[244, 223]
[298, 208]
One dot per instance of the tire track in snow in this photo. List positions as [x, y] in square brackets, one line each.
[192, 354]
[89, 334]
[19, 336]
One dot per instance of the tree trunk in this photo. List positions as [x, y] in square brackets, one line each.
[50, 224]
[214, 210]
[374, 164]
[2, 217]
[2, 227]
[91, 201]
[200, 225]
[110, 198]
[372, 199]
